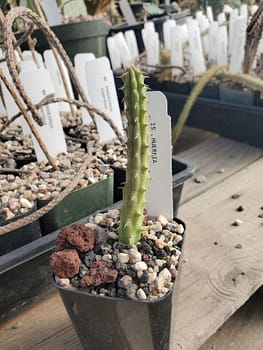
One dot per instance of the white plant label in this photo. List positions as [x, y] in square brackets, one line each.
[209, 13]
[80, 61]
[238, 51]
[52, 13]
[197, 56]
[114, 54]
[103, 95]
[51, 133]
[221, 19]
[27, 65]
[74, 8]
[177, 58]
[212, 38]
[167, 26]
[232, 20]
[244, 11]
[28, 56]
[152, 46]
[126, 57]
[159, 195]
[221, 46]
[127, 12]
[149, 25]
[204, 27]
[60, 91]
[132, 44]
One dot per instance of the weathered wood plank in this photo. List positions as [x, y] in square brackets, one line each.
[243, 330]
[216, 159]
[44, 326]
[224, 263]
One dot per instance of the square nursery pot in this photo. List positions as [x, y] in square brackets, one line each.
[108, 323]
[211, 90]
[181, 171]
[236, 95]
[78, 37]
[25, 275]
[183, 88]
[14, 239]
[77, 205]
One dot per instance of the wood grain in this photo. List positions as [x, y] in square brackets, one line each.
[224, 263]
[216, 159]
[243, 330]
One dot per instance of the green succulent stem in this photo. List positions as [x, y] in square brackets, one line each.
[138, 156]
[215, 71]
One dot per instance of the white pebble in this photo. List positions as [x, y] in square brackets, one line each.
[163, 279]
[140, 266]
[141, 294]
[113, 213]
[180, 229]
[163, 221]
[123, 258]
[135, 256]
[98, 218]
[25, 203]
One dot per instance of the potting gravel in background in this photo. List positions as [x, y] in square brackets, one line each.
[90, 258]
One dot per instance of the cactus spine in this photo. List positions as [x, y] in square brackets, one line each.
[138, 155]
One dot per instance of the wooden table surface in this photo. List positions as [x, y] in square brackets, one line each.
[222, 267]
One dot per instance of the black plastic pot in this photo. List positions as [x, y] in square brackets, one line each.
[21, 236]
[236, 95]
[171, 86]
[181, 171]
[119, 324]
[25, 275]
[209, 91]
[77, 205]
[78, 37]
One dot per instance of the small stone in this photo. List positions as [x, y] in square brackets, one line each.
[112, 235]
[180, 229]
[151, 277]
[200, 179]
[160, 244]
[163, 221]
[63, 282]
[123, 258]
[25, 203]
[163, 279]
[107, 257]
[240, 208]
[140, 266]
[98, 218]
[9, 214]
[237, 222]
[260, 215]
[114, 213]
[99, 274]
[134, 256]
[238, 246]
[125, 281]
[141, 294]
[160, 262]
[235, 196]
[16, 325]
[65, 263]
[221, 170]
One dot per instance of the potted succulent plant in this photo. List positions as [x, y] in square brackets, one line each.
[116, 274]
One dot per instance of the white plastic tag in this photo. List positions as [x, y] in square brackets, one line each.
[125, 54]
[52, 67]
[51, 11]
[28, 56]
[152, 47]
[209, 13]
[159, 195]
[167, 25]
[221, 46]
[238, 51]
[177, 58]
[212, 38]
[38, 84]
[74, 8]
[232, 20]
[244, 11]
[132, 44]
[127, 12]
[114, 54]
[80, 61]
[197, 56]
[103, 95]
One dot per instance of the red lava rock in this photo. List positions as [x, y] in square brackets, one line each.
[76, 236]
[65, 263]
[99, 274]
